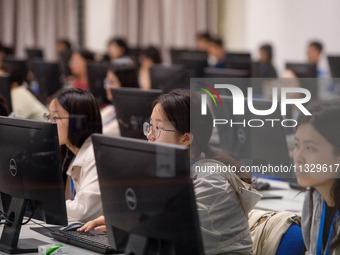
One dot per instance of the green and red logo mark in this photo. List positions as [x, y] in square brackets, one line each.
[209, 93]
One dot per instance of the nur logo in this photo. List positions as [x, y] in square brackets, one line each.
[204, 97]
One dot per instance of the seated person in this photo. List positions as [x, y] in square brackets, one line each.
[202, 41]
[116, 77]
[78, 66]
[118, 52]
[216, 53]
[25, 105]
[82, 193]
[317, 145]
[222, 206]
[148, 58]
[62, 45]
[314, 55]
[264, 68]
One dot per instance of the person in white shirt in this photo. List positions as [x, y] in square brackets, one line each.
[77, 115]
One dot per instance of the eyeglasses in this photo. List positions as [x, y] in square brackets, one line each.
[48, 117]
[155, 130]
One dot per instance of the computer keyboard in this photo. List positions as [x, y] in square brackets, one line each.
[89, 241]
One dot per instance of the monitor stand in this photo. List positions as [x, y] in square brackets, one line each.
[142, 245]
[9, 242]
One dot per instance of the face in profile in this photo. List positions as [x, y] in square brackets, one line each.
[313, 55]
[263, 56]
[312, 152]
[115, 51]
[60, 116]
[111, 81]
[161, 123]
[77, 64]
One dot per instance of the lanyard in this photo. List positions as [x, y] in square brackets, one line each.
[73, 190]
[322, 224]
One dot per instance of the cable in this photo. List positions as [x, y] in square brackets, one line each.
[3, 215]
[43, 226]
[29, 219]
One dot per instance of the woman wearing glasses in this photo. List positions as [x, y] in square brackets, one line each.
[77, 116]
[222, 206]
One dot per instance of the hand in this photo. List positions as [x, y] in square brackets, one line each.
[96, 224]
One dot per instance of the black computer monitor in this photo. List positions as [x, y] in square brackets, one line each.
[127, 75]
[32, 55]
[133, 107]
[253, 145]
[168, 78]
[17, 65]
[175, 55]
[96, 73]
[212, 72]
[303, 70]
[242, 61]
[194, 62]
[5, 90]
[30, 174]
[334, 65]
[148, 198]
[48, 76]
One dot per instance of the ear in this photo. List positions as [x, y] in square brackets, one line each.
[187, 138]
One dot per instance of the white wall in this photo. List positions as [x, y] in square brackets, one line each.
[287, 24]
[98, 24]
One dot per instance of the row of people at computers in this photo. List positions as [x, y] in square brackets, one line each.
[222, 206]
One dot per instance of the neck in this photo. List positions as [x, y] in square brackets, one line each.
[73, 148]
[326, 192]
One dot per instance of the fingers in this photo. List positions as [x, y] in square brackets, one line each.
[101, 228]
[90, 225]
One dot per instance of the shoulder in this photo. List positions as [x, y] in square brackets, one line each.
[85, 153]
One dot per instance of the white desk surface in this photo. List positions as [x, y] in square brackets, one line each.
[26, 232]
[292, 200]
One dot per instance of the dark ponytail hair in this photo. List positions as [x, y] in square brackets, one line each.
[325, 120]
[183, 108]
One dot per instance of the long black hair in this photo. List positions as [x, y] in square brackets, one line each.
[85, 118]
[183, 108]
[325, 120]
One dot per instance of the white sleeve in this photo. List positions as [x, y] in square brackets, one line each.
[87, 202]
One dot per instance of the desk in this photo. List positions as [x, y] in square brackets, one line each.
[26, 232]
[292, 200]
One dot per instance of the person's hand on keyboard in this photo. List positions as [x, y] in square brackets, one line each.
[96, 224]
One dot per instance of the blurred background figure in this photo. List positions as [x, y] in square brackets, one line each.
[62, 45]
[216, 53]
[78, 65]
[116, 77]
[118, 52]
[264, 68]
[203, 41]
[24, 104]
[315, 55]
[148, 58]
